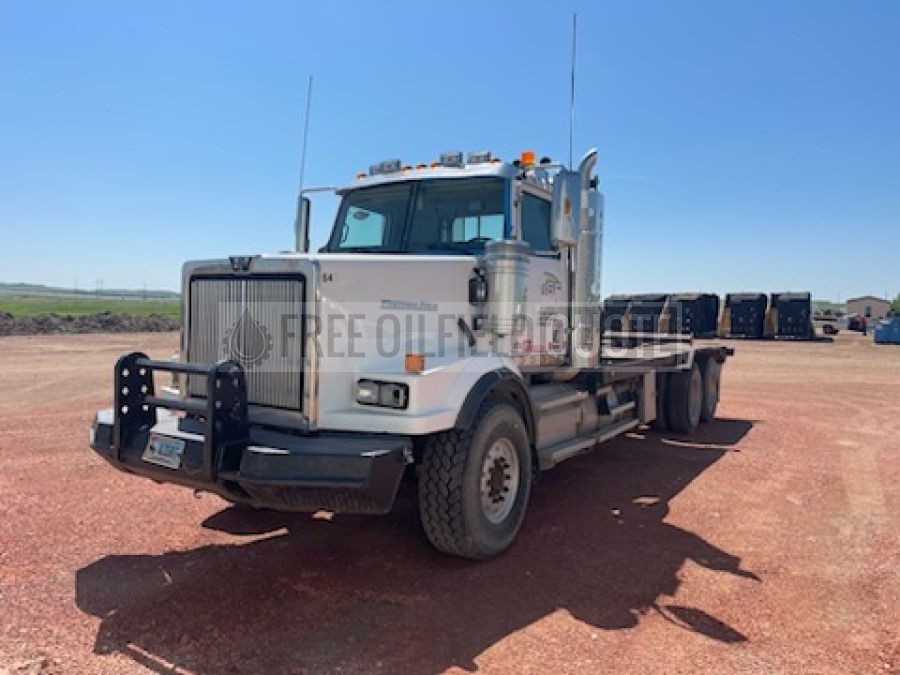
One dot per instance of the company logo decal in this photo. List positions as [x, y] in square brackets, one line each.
[248, 342]
[409, 305]
[551, 285]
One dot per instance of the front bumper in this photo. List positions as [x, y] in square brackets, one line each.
[224, 454]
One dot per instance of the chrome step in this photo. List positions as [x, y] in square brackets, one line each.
[624, 407]
[568, 399]
[550, 457]
[555, 395]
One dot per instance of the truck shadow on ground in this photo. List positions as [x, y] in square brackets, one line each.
[361, 593]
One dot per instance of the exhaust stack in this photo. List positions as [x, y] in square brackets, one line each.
[585, 301]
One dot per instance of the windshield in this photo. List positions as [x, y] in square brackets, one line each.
[441, 215]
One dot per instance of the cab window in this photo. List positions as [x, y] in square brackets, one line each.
[443, 216]
[536, 223]
[371, 219]
[457, 215]
[467, 228]
[363, 227]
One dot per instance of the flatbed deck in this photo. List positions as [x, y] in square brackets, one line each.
[651, 351]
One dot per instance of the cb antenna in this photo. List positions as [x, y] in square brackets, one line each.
[572, 90]
[305, 130]
[301, 221]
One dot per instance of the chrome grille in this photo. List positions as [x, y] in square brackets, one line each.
[217, 305]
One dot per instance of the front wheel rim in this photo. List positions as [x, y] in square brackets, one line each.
[499, 480]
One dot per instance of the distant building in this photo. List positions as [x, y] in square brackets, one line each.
[869, 306]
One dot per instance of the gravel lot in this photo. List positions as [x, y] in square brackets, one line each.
[768, 542]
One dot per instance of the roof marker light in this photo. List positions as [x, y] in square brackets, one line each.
[452, 159]
[387, 166]
[479, 157]
[528, 158]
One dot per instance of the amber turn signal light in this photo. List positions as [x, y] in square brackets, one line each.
[414, 363]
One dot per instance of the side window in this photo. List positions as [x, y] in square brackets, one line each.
[363, 228]
[467, 228]
[536, 222]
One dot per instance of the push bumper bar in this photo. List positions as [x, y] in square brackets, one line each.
[218, 450]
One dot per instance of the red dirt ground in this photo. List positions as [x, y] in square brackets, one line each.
[773, 545]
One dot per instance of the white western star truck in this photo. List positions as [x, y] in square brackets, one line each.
[449, 330]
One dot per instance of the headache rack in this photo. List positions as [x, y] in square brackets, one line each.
[224, 412]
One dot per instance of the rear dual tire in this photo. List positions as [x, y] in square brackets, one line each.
[685, 400]
[661, 421]
[691, 396]
[712, 374]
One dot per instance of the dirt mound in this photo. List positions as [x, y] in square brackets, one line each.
[103, 322]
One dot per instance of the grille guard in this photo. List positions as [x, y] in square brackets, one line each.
[265, 466]
[226, 433]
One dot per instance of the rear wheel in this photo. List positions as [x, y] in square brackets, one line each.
[474, 484]
[685, 399]
[661, 422]
[712, 374]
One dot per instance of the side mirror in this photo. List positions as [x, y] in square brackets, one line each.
[566, 208]
[301, 225]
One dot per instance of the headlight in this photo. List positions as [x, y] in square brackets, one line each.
[384, 394]
[367, 392]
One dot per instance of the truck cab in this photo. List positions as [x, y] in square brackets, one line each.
[448, 329]
[452, 208]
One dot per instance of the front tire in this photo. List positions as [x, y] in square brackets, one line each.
[474, 484]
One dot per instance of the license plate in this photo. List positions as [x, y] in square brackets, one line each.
[164, 451]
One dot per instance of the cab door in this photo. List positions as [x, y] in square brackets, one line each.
[545, 340]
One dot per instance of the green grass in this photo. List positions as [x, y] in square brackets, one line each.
[32, 305]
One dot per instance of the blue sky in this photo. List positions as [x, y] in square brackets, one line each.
[744, 145]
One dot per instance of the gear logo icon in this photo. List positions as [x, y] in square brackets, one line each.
[248, 342]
